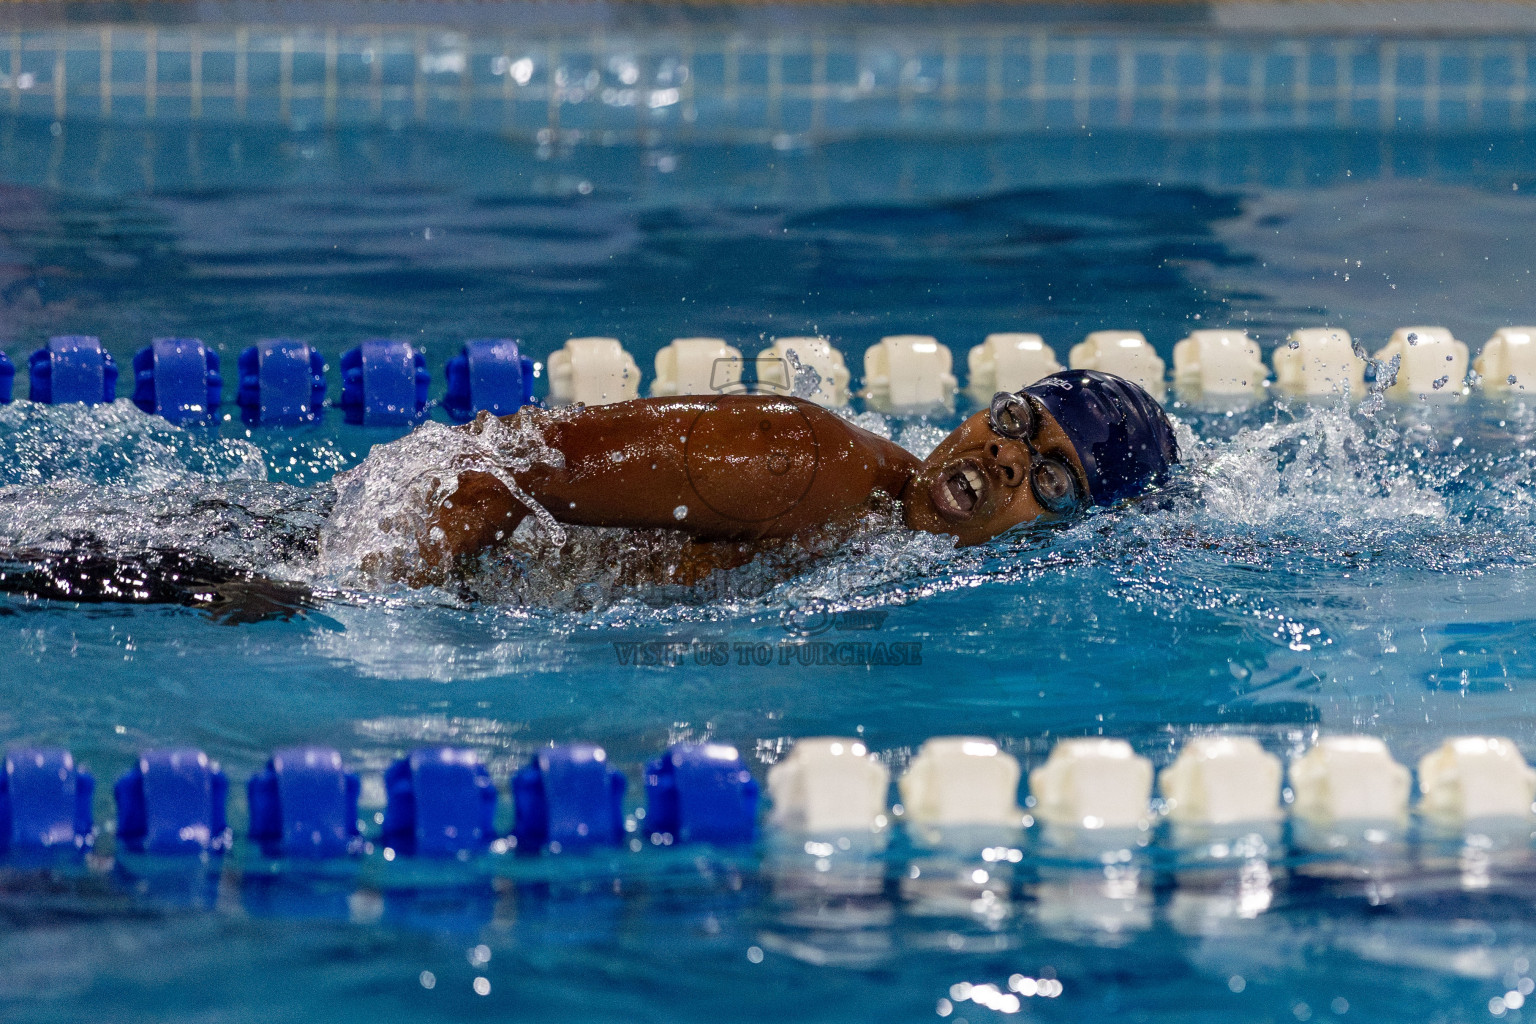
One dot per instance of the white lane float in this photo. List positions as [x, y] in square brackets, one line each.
[1127, 354]
[907, 373]
[1470, 777]
[818, 354]
[1507, 362]
[1349, 778]
[1008, 362]
[1431, 363]
[592, 371]
[1219, 363]
[696, 366]
[1319, 361]
[961, 780]
[829, 784]
[1221, 780]
[1093, 783]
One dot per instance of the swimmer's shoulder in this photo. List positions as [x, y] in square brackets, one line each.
[687, 415]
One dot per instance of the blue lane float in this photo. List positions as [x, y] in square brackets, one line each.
[568, 797]
[173, 801]
[7, 378]
[443, 801]
[45, 801]
[282, 383]
[700, 793]
[491, 375]
[440, 802]
[383, 383]
[177, 378]
[72, 368]
[304, 804]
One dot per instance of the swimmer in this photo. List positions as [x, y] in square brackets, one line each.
[738, 473]
[734, 477]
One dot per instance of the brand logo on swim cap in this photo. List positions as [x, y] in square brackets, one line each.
[1052, 382]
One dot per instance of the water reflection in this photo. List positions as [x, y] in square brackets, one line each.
[1362, 858]
[828, 899]
[1223, 874]
[466, 909]
[1479, 855]
[1093, 885]
[563, 912]
[964, 871]
[172, 882]
[305, 896]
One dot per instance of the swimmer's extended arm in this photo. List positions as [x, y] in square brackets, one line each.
[737, 467]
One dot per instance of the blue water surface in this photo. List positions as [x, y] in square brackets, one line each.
[1341, 567]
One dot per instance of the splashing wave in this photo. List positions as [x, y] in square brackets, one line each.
[1321, 486]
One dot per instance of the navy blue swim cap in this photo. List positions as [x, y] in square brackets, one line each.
[1121, 435]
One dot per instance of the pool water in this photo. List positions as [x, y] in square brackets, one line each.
[1339, 567]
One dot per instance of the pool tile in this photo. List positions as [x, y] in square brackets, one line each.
[746, 85]
[1191, 70]
[1455, 68]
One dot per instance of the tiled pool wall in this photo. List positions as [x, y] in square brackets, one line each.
[781, 83]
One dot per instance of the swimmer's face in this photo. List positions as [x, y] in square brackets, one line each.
[977, 483]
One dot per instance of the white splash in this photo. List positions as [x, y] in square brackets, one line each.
[112, 476]
[115, 444]
[805, 380]
[383, 506]
[1324, 468]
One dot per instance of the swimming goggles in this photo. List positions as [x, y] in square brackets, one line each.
[1017, 417]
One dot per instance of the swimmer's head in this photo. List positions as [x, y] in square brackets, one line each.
[1071, 440]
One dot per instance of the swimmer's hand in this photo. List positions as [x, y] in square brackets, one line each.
[88, 574]
[425, 506]
[479, 514]
[257, 599]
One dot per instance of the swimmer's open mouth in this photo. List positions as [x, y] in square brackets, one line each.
[958, 490]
